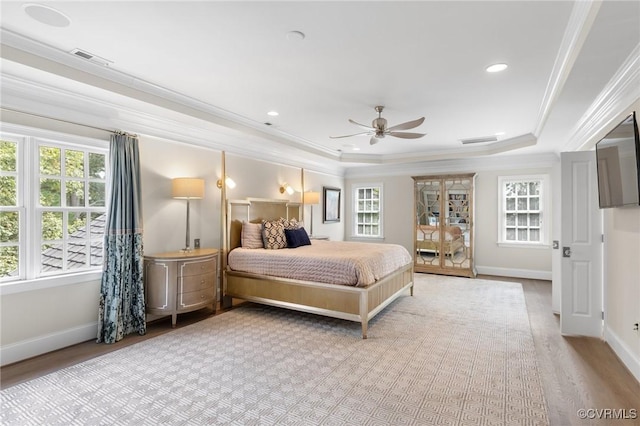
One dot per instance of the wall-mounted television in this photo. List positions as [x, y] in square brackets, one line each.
[618, 163]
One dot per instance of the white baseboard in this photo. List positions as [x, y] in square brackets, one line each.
[626, 355]
[25, 349]
[516, 273]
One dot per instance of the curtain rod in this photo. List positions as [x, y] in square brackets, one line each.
[69, 122]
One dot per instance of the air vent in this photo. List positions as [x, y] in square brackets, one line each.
[479, 140]
[90, 57]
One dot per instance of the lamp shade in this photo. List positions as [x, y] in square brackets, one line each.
[187, 188]
[311, 197]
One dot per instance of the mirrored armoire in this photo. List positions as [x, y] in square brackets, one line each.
[444, 223]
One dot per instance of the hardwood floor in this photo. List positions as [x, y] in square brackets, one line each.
[577, 373]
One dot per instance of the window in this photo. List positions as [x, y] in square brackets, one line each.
[367, 216]
[52, 206]
[523, 210]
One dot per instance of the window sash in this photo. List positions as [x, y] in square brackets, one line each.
[367, 212]
[522, 214]
[75, 236]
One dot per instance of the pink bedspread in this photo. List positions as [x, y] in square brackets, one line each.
[333, 262]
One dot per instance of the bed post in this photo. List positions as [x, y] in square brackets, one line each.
[224, 301]
[364, 312]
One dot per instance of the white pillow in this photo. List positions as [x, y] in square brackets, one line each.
[251, 236]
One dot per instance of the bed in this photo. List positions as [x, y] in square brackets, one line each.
[428, 239]
[356, 299]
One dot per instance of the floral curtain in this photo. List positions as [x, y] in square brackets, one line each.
[122, 307]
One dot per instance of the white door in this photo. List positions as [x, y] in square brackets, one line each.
[581, 245]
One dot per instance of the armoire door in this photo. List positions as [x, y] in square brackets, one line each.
[444, 224]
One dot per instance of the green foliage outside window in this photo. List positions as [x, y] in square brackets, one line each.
[9, 220]
[69, 179]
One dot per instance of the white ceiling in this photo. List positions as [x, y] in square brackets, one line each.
[229, 63]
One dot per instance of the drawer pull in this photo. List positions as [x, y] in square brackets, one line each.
[202, 296]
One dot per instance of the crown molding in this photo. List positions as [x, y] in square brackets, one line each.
[463, 165]
[20, 49]
[499, 147]
[20, 96]
[613, 102]
[580, 22]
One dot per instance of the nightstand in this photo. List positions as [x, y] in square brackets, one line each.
[178, 282]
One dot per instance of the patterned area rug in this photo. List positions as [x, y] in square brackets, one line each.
[460, 352]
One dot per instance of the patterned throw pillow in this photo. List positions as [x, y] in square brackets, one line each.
[290, 223]
[251, 236]
[273, 234]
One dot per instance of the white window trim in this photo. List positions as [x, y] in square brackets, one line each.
[545, 208]
[354, 213]
[27, 200]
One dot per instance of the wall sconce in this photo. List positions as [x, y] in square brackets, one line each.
[228, 181]
[311, 198]
[187, 189]
[285, 187]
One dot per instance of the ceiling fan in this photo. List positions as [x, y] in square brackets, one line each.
[378, 129]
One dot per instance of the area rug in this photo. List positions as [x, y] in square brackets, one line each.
[459, 352]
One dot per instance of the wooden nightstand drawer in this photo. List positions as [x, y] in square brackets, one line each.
[197, 267]
[196, 282]
[192, 298]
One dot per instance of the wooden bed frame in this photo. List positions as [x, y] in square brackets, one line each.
[358, 304]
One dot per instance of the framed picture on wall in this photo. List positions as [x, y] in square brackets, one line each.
[331, 197]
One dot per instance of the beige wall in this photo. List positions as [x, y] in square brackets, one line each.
[40, 313]
[164, 218]
[260, 179]
[622, 282]
[491, 257]
[397, 198]
[399, 217]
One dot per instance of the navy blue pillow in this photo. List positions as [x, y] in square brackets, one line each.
[297, 237]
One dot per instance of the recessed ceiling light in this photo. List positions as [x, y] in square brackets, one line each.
[497, 67]
[273, 113]
[295, 35]
[500, 133]
[46, 15]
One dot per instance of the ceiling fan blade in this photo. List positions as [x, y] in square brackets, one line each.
[408, 125]
[361, 125]
[406, 135]
[373, 140]
[348, 136]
